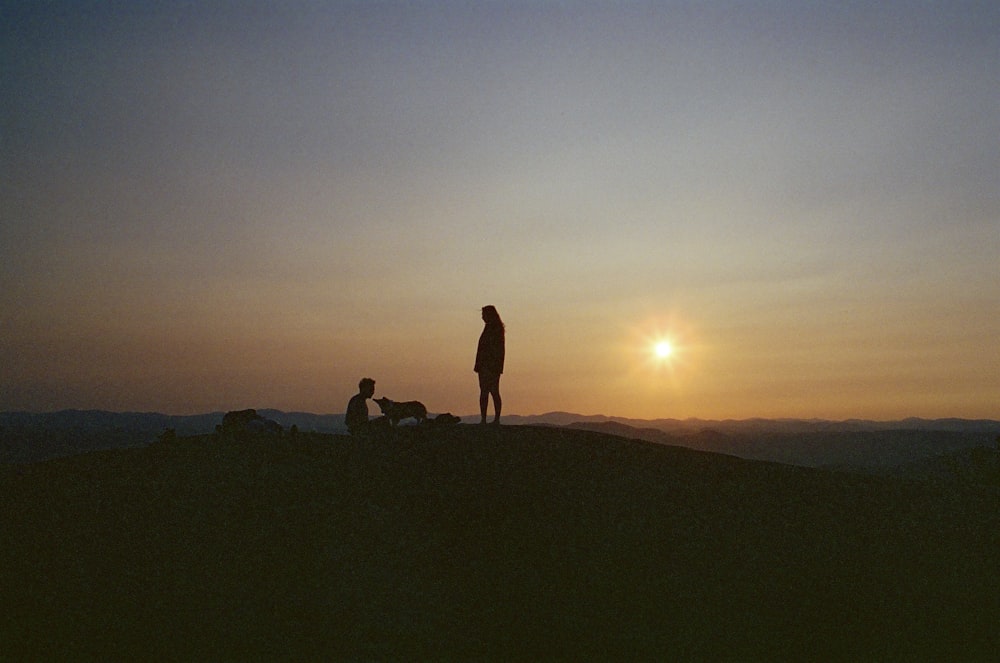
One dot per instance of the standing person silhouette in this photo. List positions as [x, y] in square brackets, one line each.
[489, 362]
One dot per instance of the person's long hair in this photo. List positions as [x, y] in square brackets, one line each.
[492, 318]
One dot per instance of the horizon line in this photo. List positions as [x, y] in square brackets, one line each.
[549, 413]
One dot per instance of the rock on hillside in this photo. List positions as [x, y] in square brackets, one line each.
[472, 542]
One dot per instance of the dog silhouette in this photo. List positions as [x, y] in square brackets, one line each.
[394, 411]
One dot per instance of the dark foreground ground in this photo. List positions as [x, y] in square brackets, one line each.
[467, 543]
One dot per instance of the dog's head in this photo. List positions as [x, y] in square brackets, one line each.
[384, 403]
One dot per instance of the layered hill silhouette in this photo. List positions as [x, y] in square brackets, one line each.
[886, 450]
[484, 543]
[857, 444]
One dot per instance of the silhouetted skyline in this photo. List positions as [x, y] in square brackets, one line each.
[210, 207]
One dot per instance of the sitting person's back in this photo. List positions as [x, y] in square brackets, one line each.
[356, 417]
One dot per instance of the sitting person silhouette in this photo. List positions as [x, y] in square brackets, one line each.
[356, 417]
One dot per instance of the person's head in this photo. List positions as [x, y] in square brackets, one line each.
[490, 316]
[367, 387]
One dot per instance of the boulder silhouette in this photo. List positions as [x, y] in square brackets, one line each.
[238, 422]
[444, 419]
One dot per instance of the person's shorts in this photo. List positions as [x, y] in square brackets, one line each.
[489, 381]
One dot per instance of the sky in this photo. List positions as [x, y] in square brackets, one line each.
[215, 205]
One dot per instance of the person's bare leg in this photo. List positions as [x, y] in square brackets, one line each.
[497, 404]
[484, 399]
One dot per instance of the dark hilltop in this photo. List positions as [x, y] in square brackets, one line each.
[482, 543]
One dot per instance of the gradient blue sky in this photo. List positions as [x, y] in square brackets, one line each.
[216, 205]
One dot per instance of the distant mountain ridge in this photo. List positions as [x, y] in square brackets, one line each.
[880, 451]
[762, 425]
[29, 437]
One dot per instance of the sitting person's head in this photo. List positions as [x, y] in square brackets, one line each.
[367, 387]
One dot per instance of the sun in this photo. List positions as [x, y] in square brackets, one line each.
[663, 349]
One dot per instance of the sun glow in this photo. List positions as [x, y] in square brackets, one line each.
[662, 349]
[661, 365]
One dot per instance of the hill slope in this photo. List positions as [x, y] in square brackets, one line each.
[473, 542]
[871, 450]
